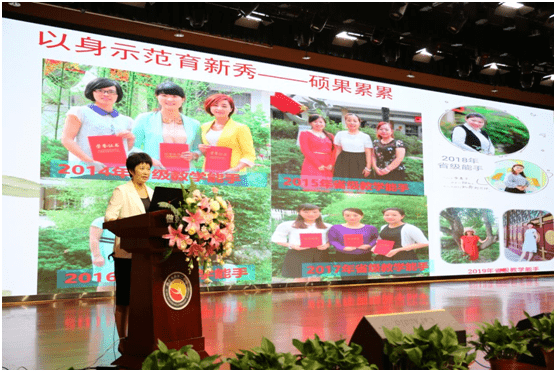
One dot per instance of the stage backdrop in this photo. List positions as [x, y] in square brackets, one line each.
[453, 177]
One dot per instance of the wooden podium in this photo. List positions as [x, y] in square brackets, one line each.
[154, 314]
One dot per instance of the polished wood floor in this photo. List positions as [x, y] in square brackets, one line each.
[79, 334]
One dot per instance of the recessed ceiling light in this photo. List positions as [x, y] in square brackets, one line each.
[410, 75]
[15, 5]
[179, 34]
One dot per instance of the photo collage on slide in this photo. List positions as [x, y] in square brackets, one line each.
[77, 191]
[332, 178]
[493, 155]
[347, 191]
[379, 167]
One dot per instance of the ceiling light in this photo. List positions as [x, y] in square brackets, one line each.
[494, 90]
[179, 34]
[346, 36]
[526, 80]
[304, 38]
[512, 4]
[495, 68]
[306, 56]
[464, 67]
[198, 17]
[457, 21]
[318, 22]
[422, 56]
[246, 9]
[390, 51]
[410, 75]
[547, 80]
[15, 5]
[377, 37]
[397, 10]
[424, 52]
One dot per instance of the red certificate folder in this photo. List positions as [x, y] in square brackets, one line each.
[384, 246]
[170, 156]
[310, 240]
[218, 159]
[353, 240]
[108, 150]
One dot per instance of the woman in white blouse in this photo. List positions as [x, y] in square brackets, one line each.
[353, 150]
[302, 239]
[471, 137]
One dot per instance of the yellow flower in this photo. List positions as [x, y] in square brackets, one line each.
[221, 201]
[190, 201]
[191, 231]
[197, 194]
[214, 205]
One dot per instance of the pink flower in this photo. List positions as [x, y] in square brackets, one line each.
[220, 235]
[205, 204]
[230, 213]
[203, 233]
[194, 220]
[175, 236]
[195, 250]
[215, 190]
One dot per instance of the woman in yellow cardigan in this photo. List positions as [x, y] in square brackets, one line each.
[225, 132]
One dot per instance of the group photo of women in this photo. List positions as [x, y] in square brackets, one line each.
[343, 145]
[339, 228]
[484, 130]
[181, 124]
[517, 177]
[468, 236]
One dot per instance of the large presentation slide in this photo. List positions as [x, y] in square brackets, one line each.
[343, 179]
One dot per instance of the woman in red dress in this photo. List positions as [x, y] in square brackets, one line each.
[317, 145]
[469, 243]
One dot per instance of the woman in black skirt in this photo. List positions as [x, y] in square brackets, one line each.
[303, 241]
[353, 150]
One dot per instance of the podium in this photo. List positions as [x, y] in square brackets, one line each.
[165, 300]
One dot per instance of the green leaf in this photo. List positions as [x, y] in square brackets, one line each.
[311, 364]
[267, 346]
[193, 356]
[394, 336]
[298, 344]
[415, 355]
[162, 346]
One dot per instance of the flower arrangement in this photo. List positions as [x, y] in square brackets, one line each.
[202, 228]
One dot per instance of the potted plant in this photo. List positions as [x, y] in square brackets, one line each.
[542, 335]
[328, 355]
[264, 357]
[184, 358]
[432, 348]
[502, 344]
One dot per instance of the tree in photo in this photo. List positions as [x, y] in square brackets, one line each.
[453, 225]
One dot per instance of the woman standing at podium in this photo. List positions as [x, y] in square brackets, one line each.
[129, 199]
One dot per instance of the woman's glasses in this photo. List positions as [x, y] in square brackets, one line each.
[110, 92]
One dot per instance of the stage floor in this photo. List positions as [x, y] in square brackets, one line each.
[81, 333]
